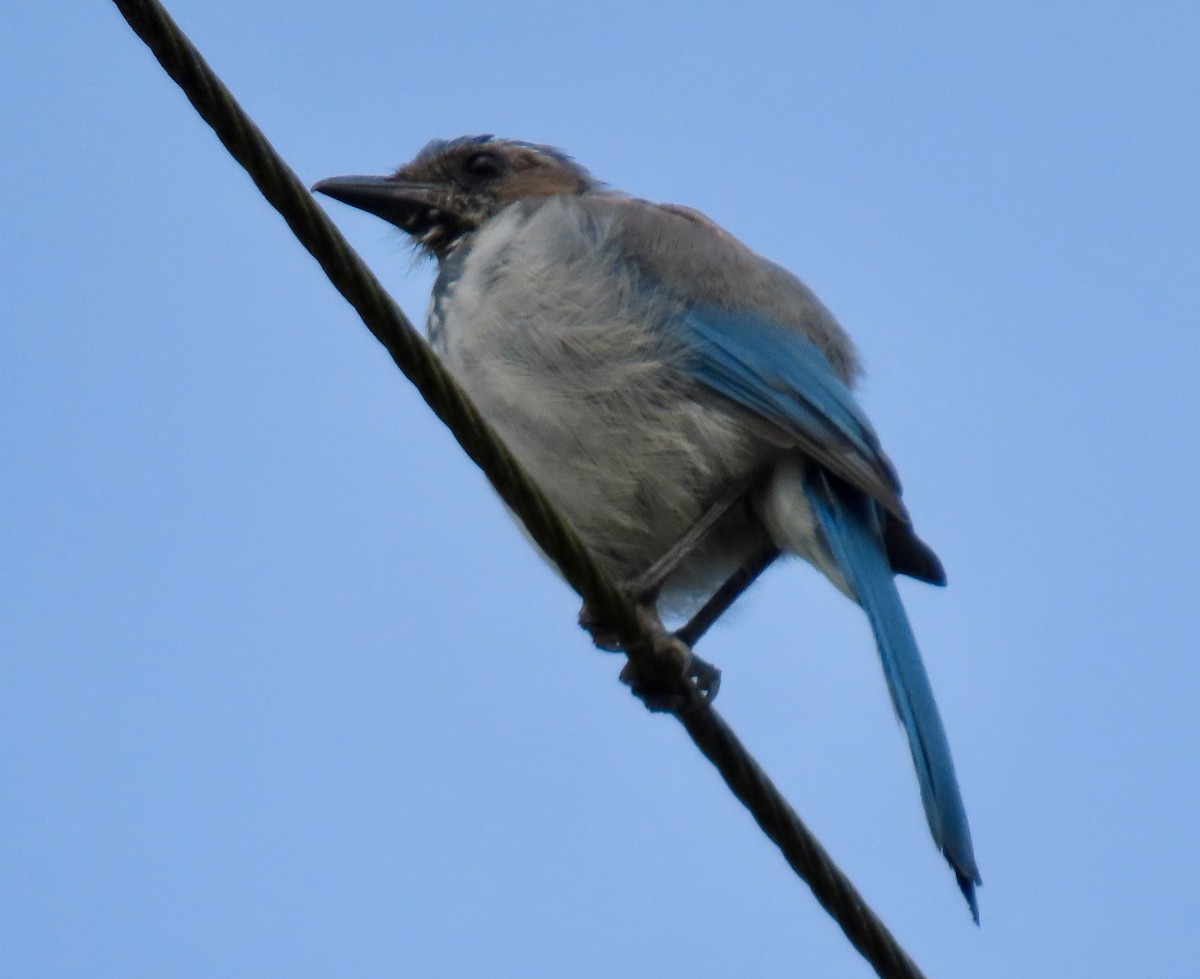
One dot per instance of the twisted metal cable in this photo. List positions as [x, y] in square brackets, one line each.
[652, 657]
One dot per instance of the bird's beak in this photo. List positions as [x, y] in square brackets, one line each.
[405, 204]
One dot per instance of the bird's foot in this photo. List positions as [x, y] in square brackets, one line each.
[666, 676]
[681, 687]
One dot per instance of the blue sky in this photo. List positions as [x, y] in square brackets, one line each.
[285, 693]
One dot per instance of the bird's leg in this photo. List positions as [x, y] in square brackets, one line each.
[727, 594]
[646, 586]
[675, 648]
[644, 589]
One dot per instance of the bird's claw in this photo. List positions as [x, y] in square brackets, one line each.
[696, 683]
[670, 678]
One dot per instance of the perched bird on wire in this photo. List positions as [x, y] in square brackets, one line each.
[684, 402]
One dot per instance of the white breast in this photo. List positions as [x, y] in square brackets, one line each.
[562, 348]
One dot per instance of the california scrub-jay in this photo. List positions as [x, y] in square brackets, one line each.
[655, 376]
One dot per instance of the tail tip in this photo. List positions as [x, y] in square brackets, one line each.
[967, 886]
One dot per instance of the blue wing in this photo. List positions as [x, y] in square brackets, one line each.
[783, 379]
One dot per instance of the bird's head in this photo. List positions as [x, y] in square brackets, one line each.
[453, 186]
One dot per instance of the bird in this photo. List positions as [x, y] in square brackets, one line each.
[685, 403]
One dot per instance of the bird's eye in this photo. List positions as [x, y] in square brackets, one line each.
[484, 165]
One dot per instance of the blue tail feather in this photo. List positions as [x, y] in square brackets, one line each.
[850, 523]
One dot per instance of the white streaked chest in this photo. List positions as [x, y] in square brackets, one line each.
[565, 353]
